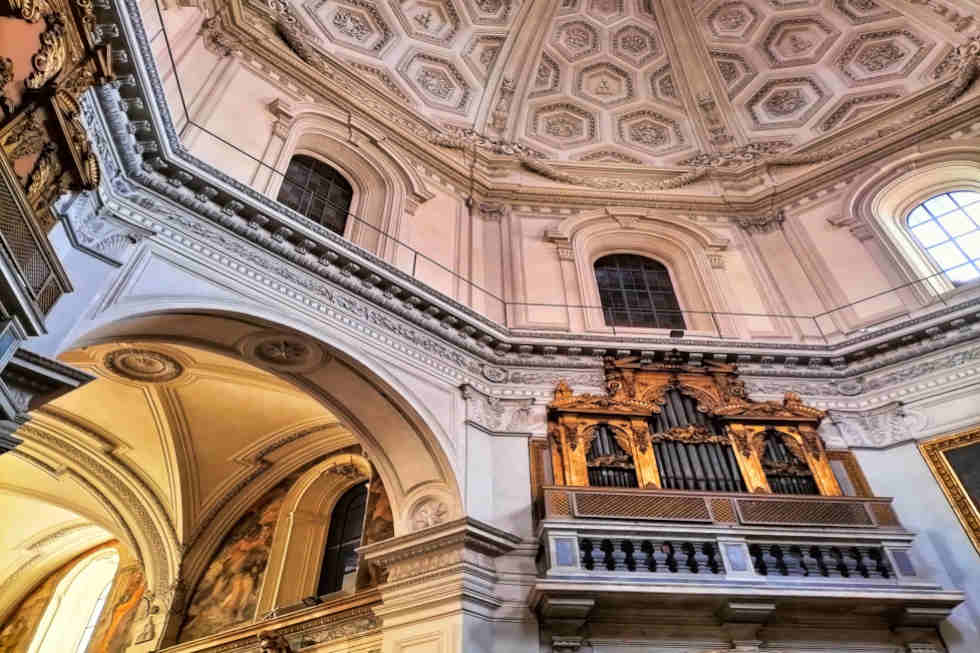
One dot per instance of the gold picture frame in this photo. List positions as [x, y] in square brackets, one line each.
[936, 452]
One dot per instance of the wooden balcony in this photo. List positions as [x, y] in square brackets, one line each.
[722, 508]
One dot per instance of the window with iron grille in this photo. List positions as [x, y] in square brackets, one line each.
[636, 292]
[319, 192]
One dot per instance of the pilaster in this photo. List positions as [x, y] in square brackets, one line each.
[440, 586]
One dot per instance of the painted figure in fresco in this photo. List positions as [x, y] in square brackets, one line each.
[229, 590]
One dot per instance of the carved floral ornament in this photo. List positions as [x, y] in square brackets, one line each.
[47, 122]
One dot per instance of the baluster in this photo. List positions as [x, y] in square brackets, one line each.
[800, 559]
[881, 566]
[607, 549]
[627, 548]
[817, 554]
[858, 556]
[711, 554]
[651, 561]
[757, 557]
[692, 563]
[777, 554]
[668, 549]
[701, 559]
[587, 560]
[839, 558]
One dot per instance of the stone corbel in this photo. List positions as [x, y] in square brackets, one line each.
[216, 39]
[742, 621]
[566, 618]
[494, 211]
[858, 228]
[563, 244]
[761, 224]
[285, 115]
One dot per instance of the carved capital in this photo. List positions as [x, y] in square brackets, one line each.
[495, 413]
[761, 224]
[494, 211]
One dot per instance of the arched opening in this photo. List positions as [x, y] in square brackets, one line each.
[318, 191]
[609, 464]
[71, 615]
[338, 570]
[636, 291]
[786, 472]
[947, 227]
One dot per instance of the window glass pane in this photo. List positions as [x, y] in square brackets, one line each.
[964, 198]
[947, 255]
[974, 212]
[319, 192]
[918, 216]
[970, 244]
[940, 204]
[633, 291]
[963, 274]
[957, 223]
[929, 234]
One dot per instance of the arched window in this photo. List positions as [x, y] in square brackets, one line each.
[609, 465]
[319, 192]
[339, 568]
[947, 227]
[636, 292]
[786, 473]
[70, 617]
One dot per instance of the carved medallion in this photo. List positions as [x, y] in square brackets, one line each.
[282, 351]
[143, 365]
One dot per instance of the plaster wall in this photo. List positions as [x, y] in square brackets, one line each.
[806, 267]
[942, 546]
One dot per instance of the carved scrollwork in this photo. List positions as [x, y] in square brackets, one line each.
[81, 148]
[27, 136]
[50, 59]
[690, 433]
[47, 179]
[6, 76]
[29, 10]
[271, 642]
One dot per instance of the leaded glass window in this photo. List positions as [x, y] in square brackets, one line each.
[343, 538]
[947, 227]
[319, 192]
[637, 292]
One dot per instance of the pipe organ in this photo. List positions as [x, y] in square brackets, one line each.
[678, 426]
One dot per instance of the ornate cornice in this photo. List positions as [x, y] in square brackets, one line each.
[317, 262]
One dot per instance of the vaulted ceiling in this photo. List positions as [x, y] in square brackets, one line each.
[643, 81]
[191, 429]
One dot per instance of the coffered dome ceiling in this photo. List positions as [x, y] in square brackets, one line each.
[643, 81]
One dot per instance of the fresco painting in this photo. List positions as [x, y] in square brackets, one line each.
[228, 592]
[18, 630]
[112, 630]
